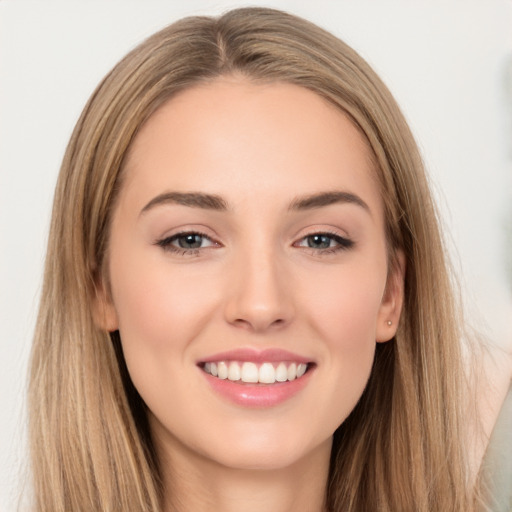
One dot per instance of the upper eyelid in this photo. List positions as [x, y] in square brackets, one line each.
[176, 236]
[330, 231]
[333, 233]
[326, 228]
[187, 231]
[340, 239]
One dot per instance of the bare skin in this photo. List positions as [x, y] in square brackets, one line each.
[202, 485]
[249, 219]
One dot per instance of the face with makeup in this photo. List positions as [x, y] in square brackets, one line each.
[248, 272]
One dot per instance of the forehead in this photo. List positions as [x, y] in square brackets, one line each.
[220, 136]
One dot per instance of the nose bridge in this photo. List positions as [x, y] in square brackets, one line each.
[259, 297]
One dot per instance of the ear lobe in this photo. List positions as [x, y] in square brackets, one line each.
[392, 301]
[103, 310]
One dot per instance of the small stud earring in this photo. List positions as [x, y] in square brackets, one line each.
[390, 323]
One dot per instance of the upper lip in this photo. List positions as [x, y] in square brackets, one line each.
[269, 355]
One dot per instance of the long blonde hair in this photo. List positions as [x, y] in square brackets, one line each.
[402, 448]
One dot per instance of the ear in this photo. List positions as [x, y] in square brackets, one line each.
[103, 310]
[392, 301]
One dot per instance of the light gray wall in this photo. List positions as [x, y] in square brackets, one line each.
[449, 63]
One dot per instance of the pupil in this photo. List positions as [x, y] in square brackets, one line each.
[190, 241]
[319, 241]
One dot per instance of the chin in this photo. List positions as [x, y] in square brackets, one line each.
[267, 452]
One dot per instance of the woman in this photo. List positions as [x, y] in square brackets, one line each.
[241, 215]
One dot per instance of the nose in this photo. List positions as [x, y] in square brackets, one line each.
[260, 293]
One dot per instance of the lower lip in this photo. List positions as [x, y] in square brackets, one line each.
[251, 395]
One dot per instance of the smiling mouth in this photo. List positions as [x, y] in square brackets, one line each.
[254, 373]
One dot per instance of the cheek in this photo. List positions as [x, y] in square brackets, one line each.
[155, 304]
[160, 312]
[346, 316]
[347, 308]
[160, 315]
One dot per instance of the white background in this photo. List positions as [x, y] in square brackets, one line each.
[449, 64]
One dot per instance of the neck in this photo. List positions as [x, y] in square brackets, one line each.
[196, 484]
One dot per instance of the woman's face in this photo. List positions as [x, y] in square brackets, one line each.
[248, 241]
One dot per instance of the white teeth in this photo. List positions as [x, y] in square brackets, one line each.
[301, 370]
[222, 370]
[249, 372]
[267, 374]
[234, 371]
[281, 373]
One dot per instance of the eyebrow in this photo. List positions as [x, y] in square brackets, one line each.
[217, 203]
[326, 199]
[190, 199]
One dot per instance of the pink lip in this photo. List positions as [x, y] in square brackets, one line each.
[257, 395]
[271, 355]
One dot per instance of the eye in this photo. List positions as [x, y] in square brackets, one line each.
[319, 241]
[186, 242]
[189, 240]
[325, 242]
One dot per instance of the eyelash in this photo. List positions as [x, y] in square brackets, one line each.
[166, 243]
[343, 244]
